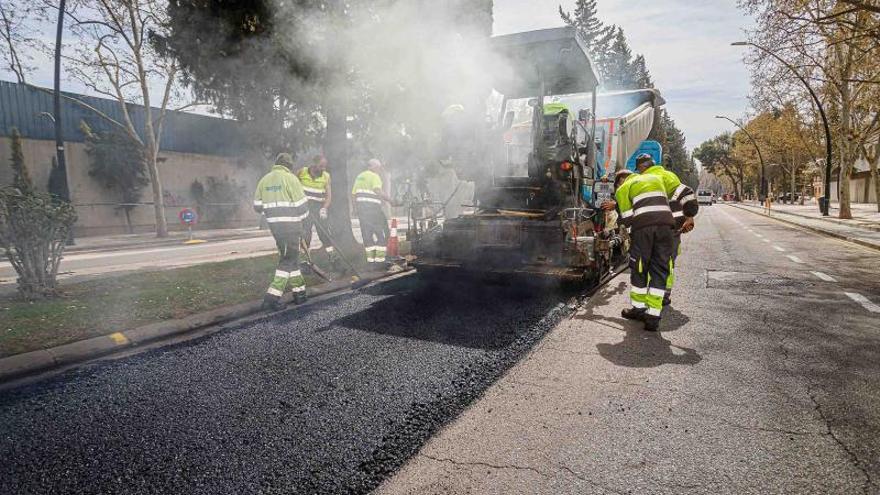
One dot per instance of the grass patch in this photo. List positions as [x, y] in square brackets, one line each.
[99, 307]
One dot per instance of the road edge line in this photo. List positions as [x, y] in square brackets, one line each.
[28, 364]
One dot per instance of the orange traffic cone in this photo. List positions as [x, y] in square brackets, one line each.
[393, 247]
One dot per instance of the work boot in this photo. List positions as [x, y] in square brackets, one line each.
[299, 297]
[667, 299]
[633, 313]
[652, 323]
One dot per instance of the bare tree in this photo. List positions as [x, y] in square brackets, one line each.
[835, 46]
[115, 57]
[17, 37]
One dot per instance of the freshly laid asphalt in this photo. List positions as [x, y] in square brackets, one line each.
[324, 399]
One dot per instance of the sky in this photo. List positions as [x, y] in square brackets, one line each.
[686, 44]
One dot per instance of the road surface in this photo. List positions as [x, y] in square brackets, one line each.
[764, 380]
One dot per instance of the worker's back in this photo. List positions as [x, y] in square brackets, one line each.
[281, 197]
[364, 188]
[643, 202]
[682, 200]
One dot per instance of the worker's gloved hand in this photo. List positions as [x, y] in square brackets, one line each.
[323, 213]
[687, 226]
[609, 205]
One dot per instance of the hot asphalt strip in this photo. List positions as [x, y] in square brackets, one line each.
[762, 380]
[330, 398]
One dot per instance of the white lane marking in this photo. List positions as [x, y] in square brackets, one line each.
[863, 301]
[779, 249]
[824, 276]
[795, 259]
[766, 240]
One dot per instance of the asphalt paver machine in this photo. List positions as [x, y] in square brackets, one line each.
[540, 171]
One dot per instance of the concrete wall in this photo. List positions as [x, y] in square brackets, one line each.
[97, 207]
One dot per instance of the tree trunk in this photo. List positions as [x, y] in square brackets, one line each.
[128, 227]
[875, 176]
[158, 196]
[846, 143]
[336, 152]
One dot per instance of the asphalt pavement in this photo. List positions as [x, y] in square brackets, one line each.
[763, 379]
[329, 398]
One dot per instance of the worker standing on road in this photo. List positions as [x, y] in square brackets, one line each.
[315, 181]
[643, 207]
[368, 197]
[281, 198]
[684, 206]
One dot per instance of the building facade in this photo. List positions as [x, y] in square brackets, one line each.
[193, 148]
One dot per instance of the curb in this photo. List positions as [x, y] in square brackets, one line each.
[817, 230]
[34, 362]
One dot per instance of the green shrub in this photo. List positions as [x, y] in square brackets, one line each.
[34, 228]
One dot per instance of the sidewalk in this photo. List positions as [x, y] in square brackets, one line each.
[865, 215]
[148, 239]
[863, 229]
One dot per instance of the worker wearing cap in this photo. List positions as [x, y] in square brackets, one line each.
[643, 207]
[280, 197]
[368, 196]
[684, 206]
[315, 181]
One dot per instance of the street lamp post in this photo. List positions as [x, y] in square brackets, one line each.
[763, 192]
[825, 204]
[64, 193]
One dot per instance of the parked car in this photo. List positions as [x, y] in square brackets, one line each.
[705, 198]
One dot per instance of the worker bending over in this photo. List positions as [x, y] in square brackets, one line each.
[315, 181]
[684, 206]
[280, 197]
[643, 207]
[368, 197]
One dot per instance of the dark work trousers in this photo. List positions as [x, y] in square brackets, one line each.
[650, 255]
[287, 238]
[323, 228]
[374, 230]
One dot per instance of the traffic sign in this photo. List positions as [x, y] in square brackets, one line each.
[188, 216]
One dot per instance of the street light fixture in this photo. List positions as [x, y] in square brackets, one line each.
[825, 204]
[763, 193]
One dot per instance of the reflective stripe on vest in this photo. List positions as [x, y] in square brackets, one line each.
[366, 196]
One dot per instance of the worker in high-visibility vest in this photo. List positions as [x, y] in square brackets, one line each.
[315, 181]
[280, 197]
[368, 195]
[684, 207]
[643, 207]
